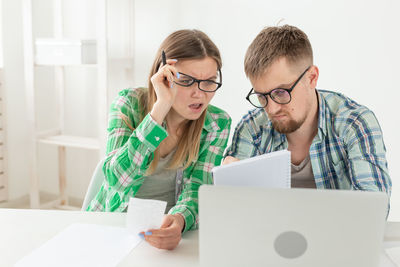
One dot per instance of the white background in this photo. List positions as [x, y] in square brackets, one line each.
[356, 47]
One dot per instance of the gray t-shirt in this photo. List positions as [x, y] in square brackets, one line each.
[160, 185]
[302, 174]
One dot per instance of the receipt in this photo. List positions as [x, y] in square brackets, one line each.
[144, 214]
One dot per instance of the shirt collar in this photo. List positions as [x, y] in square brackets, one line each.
[209, 123]
[322, 115]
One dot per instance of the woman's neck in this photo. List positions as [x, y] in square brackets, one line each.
[174, 122]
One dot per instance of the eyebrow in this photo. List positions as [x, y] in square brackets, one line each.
[282, 85]
[212, 77]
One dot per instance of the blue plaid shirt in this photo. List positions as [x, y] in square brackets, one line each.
[347, 153]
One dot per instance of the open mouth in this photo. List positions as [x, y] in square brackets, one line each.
[196, 107]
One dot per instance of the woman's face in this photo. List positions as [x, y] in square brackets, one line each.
[190, 102]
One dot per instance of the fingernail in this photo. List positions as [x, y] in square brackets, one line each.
[172, 84]
[174, 60]
[177, 75]
[141, 235]
[148, 233]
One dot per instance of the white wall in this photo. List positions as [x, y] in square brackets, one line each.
[356, 47]
[80, 86]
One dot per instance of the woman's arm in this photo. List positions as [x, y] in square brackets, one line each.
[200, 173]
[130, 149]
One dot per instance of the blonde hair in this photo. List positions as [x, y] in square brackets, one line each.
[273, 43]
[182, 44]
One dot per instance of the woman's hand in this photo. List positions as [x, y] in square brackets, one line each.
[165, 90]
[169, 234]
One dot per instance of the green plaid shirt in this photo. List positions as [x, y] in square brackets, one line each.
[129, 154]
[347, 153]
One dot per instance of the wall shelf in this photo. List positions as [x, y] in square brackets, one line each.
[72, 141]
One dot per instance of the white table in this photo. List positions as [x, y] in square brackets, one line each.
[21, 231]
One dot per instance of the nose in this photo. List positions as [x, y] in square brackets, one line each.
[272, 107]
[196, 92]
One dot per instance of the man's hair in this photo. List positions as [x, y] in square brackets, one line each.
[273, 43]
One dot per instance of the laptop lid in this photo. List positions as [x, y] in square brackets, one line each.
[247, 226]
[267, 170]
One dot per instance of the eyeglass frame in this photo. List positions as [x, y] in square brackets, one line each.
[289, 91]
[219, 84]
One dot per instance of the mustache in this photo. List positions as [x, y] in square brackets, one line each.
[278, 114]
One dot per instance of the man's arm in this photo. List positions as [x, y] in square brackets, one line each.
[367, 154]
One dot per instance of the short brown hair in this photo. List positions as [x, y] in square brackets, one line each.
[273, 43]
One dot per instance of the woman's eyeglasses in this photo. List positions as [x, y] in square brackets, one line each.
[208, 86]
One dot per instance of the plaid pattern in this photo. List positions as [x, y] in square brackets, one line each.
[347, 153]
[129, 154]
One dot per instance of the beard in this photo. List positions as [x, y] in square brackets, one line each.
[286, 127]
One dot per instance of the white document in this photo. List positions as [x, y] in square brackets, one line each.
[267, 170]
[83, 245]
[394, 255]
[144, 214]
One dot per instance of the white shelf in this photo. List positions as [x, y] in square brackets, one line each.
[72, 141]
[61, 51]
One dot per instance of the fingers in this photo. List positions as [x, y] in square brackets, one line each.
[229, 160]
[169, 70]
[163, 232]
[165, 72]
[168, 236]
[167, 221]
[164, 243]
[171, 61]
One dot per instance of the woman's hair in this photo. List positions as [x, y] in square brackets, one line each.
[182, 44]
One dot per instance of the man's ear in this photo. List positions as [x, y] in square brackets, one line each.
[313, 75]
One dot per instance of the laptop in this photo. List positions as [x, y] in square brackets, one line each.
[249, 226]
[267, 170]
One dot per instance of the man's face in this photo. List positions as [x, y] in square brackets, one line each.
[286, 118]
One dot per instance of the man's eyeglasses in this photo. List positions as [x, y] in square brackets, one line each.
[279, 95]
[208, 86]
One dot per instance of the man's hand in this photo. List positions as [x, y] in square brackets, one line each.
[169, 234]
[229, 159]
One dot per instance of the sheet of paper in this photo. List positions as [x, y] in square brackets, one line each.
[144, 214]
[82, 245]
[394, 254]
[270, 170]
[386, 261]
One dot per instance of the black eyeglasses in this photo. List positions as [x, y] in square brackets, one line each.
[208, 86]
[279, 95]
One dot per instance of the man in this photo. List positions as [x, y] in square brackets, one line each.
[335, 143]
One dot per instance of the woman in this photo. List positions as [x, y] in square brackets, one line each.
[164, 140]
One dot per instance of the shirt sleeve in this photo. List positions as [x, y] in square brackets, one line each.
[200, 173]
[242, 146]
[130, 151]
[367, 154]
